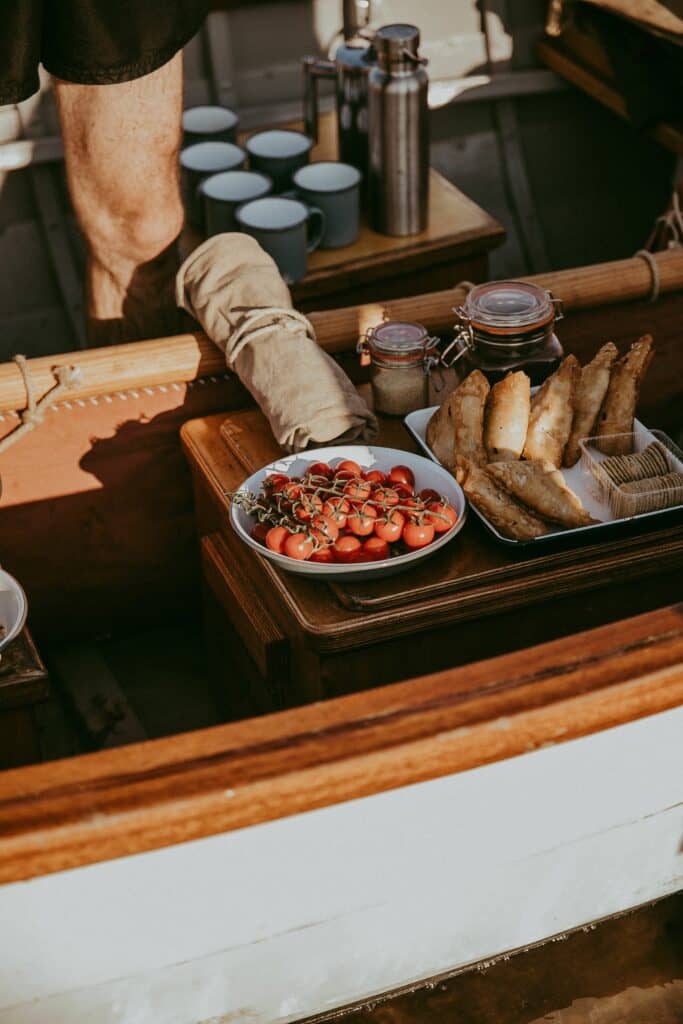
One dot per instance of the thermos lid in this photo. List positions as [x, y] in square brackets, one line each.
[507, 307]
[396, 43]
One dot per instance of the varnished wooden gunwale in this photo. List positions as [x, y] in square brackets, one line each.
[187, 357]
[156, 794]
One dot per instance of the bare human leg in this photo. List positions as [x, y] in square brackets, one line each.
[121, 146]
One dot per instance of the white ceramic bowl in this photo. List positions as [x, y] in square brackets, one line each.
[427, 474]
[13, 608]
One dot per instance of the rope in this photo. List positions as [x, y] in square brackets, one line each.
[668, 230]
[34, 413]
[288, 319]
[654, 270]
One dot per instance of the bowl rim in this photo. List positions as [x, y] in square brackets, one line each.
[334, 568]
[21, 621]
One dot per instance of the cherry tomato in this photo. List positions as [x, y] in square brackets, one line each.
[337, 508]
[402, 475]
[275, 482]
[413, 502]
[310, 505]
[299, 546]
[418, 535]
[320, 469]
[348, 466]
[260, 532]
[403, 491]
[323, 555]
[375, 476]
[387, 496]
[377, 549]
[325, 528]
[292, 490]
[442, 518]
[276, 537]
[429, 494]
[358, 490]
[346, 549]
[362, 521]
[390, 527]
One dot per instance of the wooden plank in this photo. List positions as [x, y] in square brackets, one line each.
[554, 55]
[101, 705]
[169, 791]
[256, 627]
[191, 356]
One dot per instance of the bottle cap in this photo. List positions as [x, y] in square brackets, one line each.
[396, 44]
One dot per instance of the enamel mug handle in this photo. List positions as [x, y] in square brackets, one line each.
[315, 228]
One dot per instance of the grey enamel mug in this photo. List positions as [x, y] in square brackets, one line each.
[278, 153]
[209, 124]
[335, 189]
[223, 193]
[197, 163]
[286, 228]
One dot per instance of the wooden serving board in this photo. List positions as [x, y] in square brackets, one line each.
[473, 576]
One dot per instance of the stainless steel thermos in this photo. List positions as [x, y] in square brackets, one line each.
[398, 131]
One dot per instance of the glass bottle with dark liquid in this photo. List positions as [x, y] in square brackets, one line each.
[505, 326]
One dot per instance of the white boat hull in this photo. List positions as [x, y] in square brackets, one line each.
[300, 915]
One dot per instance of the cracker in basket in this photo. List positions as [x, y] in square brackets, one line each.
[652, 461]
[619, 407]
[648, 495]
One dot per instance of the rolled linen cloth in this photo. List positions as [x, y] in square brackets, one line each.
[233, 288]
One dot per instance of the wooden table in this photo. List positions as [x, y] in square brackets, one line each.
[307, 641]
[23, 683]
[454, 247]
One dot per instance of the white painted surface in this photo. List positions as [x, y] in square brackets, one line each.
[292, 917]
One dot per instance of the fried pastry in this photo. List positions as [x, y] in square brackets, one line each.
[552, 412]
[441, 433]
[619, 406]
[507, 515]
[507, 417]
[543, 489]
[590, 394]
[457, 427]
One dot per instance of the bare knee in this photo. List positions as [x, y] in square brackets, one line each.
[138, 233]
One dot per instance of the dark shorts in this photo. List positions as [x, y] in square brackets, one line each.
[93, 42]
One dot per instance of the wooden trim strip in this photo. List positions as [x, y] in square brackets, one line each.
[186, 357]
[164, 792]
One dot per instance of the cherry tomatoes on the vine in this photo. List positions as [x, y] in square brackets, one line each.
[325, 555]
[386, 496]
[390, 527]
[375, 476]
[260, 532]
[358, 490]
[347, 467]
[418, 535]
[324, 528]
[337, 508]
[346, 549]
[362, 521]
[276, 537]
[442, 516]
[299, 546]
[319, 469]
[429, 494]
[402, 475]
[376, 548]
